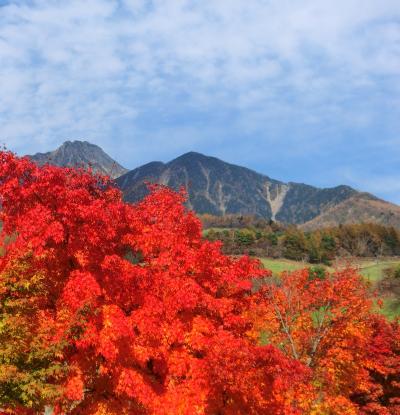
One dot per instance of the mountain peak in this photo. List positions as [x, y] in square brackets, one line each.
[193, 156]
[81, 153]
[78, 143]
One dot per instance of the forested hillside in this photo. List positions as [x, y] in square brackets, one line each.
[269, 239]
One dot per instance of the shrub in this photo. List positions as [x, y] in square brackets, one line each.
[316, 272]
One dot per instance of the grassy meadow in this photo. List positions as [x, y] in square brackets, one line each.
[279, 265]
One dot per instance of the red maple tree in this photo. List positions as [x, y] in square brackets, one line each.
[328, 323]
[382, 394]
[110, 308]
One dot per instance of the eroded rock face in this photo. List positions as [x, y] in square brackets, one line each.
[81, 153]
[220, 188]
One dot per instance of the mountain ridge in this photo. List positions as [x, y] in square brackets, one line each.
[218, 188]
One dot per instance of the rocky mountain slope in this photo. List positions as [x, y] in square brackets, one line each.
[81, 153]
[360, 208]
[219, 188]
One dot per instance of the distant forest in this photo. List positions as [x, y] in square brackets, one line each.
[259, 237]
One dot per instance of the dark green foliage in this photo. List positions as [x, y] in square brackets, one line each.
[328, 244]
[295, 245]
[316, 272]
[245, 237]
[273, 238]
[318, 247]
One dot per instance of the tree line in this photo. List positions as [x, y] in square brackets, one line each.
[262, 238]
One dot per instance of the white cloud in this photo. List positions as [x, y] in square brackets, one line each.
[79, 68]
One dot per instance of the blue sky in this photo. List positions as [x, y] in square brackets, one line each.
[301, 90]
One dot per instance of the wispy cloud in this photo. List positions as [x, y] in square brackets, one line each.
[306, 77]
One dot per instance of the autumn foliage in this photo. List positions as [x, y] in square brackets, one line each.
[327, 323]
[111, 308]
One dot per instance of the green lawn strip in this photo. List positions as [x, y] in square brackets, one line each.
[279, 265]
[374, 271]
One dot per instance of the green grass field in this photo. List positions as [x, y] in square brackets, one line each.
[372, 270]
[279, 265]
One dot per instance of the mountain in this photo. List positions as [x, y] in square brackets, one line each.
[360, 208]
[219, 188]
[81, 153]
